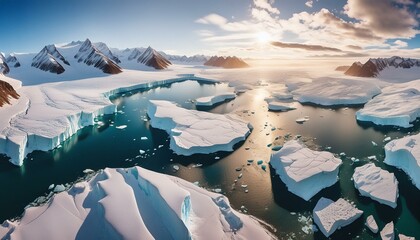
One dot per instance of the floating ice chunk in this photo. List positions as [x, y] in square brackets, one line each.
[378, 184]
[279, 106]
[301, 120]
[213, 100]
[59, 188]
[51, 187]
[374, 143]
[121, 127]
[143, 138]
[373, 157]
[404, 154]
[330, 216]
[387, 139]
[142, 151]
[387, 232]
[305, 172]
[403, 237]
[194, 131]
[397, 105]
[371, 224]
[86, 171]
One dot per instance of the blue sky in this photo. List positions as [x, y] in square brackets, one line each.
[243, 27]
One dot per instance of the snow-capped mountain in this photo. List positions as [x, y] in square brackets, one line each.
[152, 58]
[184, 59]
[45, 60]
[4, 68]
[135, 54]
[102, 47]
[6, 93]
[12, 61]
[374, 66]
[90, 55]
[226, 62]
[52, 49]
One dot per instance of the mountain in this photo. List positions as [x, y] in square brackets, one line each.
[4, 68]
[342, 68]
[135, 54]
[102, 47]
[90, 55]
[184, 59]
[45, 60]
[152, 58]
[226, 62]
[374, 66]
[11, 60]
[6, 92]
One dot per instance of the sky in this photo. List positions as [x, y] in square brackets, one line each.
[246, 28]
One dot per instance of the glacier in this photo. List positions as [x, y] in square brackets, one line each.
[134, 203]
[192, 131]
[305, 172]
[404, 154]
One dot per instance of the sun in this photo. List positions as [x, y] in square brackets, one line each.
[263, 37]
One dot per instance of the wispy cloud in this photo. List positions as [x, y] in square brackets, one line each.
[307, 47]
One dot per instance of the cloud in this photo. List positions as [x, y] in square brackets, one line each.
[354, 47]
[383, 18]
[213, 18]
[400, 44]
[418, 5]
[266, 5]
[309, 3]
[307, 47]
[345, 55]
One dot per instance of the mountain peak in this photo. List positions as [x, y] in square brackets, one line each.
[152, 58]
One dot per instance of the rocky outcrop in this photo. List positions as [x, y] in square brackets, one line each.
[12, 61]
[152, 58]
[103, 48]
[6, 93]
[47, 60]
[226, 62]
[4, 68]
[375, 65]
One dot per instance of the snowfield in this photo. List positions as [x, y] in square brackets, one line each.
[305, 172]
[134, 203]
[404, 154]
[194, 131]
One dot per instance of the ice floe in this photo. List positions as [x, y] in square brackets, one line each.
[371, 224]
[404, 154]
[279, 106]
[397, 105]
[387, 232]
[215, 99]
[305, 172]
[194, 131]
[330, 216]
[134, 203]
[378, 184]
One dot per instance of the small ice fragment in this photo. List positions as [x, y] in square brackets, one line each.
[374, 143]
[51, 187]
[175, 167]
[342, 154]
[121, 127]
[87, 171]
[59, 188]
[143, 138]
[373, 157]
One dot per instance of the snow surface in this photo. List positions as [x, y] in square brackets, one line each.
[371, 224]
[215, 99]
[397, 105]
[330, 216]
[134, 203]
[404, 154]
[305, 172]
[387, 232]
[378, 184]
[330, 91]
[194, 131]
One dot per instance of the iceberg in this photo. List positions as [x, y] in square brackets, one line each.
[134, 203]
[404, 154]
[397, 105]
[328, 91]
[371, 224]
[387, 232]
[192, 131]
[378, 184]
[279, 106]
[215, 99]
[330, 216]
[305, 172]
[404, 237]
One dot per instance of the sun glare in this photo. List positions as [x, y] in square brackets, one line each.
[263, 37]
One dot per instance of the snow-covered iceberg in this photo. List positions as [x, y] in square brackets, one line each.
[305, 172]
[378, 184]
[387, 232]
[194, 131]
[397, 105]
[215, 99]
[404, 154]
[279, 106]
[134, 203]
[331, 91]
[330, 215]
[371, 224]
